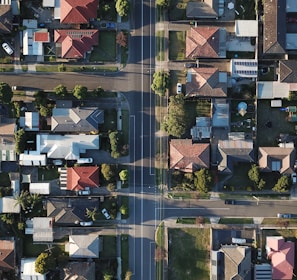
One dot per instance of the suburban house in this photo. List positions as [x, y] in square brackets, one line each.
[43, 188]
[202, 129]
[68, 147]
[79, 270]
[78, 119]
[80, 177]
[244, 68]
[7, 256]
[206, 82]
[30, 122]
[41, 228]
[280, 159]
[75, 43]
[231, 262]
[206, 42]
[67, 212]
[246, 28]
[78, 11]
[32, 160]
[202, 10]
[5, 19]
[187, 156]
[233, 151]
[28, 270]
[282, 256]
[8, 204]
[84, 246]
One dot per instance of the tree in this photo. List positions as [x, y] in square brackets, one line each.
[5, 93]
[22, 199]
[44, 111]
[80, 92]
[111, 187]
[254, 174]
[91, 214]
[61, 90]
[203, 180]
[124, 209]
[20, 139]
[122, 7]
[124, 175]
[261, 184]
[108, 171]
[41, 98]
[162, 3]
[128, 275]
[282, 184]
[121, 39]
[160, 82]
[175, 123]
[7, 218]
[44, 263]
[115, 143]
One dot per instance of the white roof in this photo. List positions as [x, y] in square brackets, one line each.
[40, 188]
[247, 68]
[30, 47]
[271, 90]
[291, 41]
[246, 28]
[32, 160]
[28, 270]
[8, 205]
[31, 121]
[48, 3]
[43, 229]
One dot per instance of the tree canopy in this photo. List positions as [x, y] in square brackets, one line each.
[124, 175]
[44, 263]
[61, 90]
[175, 123]
[5, 93]
[115, 143]
[162, 3]
[282, 184]
[122, 7]
[80, 92]
[160, 82]
[203, 180]
[109, 171]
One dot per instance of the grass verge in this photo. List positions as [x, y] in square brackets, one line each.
[234, 221]
[125, 253]
[109, 246]
[160, 45]
[75, 68]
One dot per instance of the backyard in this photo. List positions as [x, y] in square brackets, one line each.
[177, 9]
[188, 254]
[245, 9]
[268, 135]
[177, 45]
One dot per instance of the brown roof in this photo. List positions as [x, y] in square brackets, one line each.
[41, 36]
[274, 33]
[276, 159]
[75, 43]
[203, 41]
[288, 71]
[82, 176]
[78, 11]
[187, 156]
[205, 82]
[7, 254]
[5, 19]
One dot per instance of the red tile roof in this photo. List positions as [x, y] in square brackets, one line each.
[83, 176]
[41, 37]
[205, 82]
[78, 11]
[75, 43]
[188, 157]
[203, 41]
[282, 256]
[7, 254]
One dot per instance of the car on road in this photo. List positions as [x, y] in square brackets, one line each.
[179, 88]
[86, 224]
[284, 215]
[86, 191]
[230, 201]
[105, 213]
[190, 65]
[85, 160]
[7, 48]
[294, 178]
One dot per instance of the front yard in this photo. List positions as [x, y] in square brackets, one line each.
[177, 45]
[188, 254]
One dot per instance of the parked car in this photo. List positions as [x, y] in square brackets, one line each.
[86, 224]
[57, 162]
[230, 201]
[294, 178]
[110, 25]
[17, 88]
[7, 48]
[178, 88]
[282, 215]
[190, 65]
[86, 191]
[105, 213]
[85, 160]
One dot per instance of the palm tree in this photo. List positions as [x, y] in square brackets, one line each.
[34, 198]
[91, 214]
[22, 199]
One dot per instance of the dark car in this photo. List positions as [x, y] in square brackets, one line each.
[190, 65]
[110, 25]
[230, 201]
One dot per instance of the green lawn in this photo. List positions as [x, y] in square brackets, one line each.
[160, 235]
[268, 136]
[189, 254]
[30, 249]
[73, 68]
[125, 253]
[106, 49]
[160, 45]
[125, 125]
[240, 180]
[109, 246]
[45, 174]
[125, 201]
[177, 10]
[278, 221]
[236, 221]
[177, 45]
[110, 120]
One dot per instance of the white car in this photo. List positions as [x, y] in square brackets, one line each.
[178, 88]
[7, 48]
[57, 162]
[86, 224]
[105, 213]
[285, 216]
[294, 178]
[85, 160]
[86, 191]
